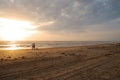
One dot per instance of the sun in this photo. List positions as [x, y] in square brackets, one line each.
[13, 30]
[12, 34]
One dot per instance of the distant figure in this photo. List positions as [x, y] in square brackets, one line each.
[33, 46]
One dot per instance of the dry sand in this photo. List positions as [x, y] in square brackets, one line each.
[95, 62]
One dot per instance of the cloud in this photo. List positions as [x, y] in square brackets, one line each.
[69, 16]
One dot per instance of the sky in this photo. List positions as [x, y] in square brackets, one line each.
[66, 20]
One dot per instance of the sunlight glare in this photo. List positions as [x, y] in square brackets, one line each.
[13, 30]
[13, 47]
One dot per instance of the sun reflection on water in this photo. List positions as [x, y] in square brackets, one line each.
[13, 47]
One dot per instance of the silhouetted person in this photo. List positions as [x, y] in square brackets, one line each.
[33, 46]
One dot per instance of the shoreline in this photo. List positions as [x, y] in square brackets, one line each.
[32, 53]
[61, 46]
[18, 46]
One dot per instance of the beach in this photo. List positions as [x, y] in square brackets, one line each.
[92, 62]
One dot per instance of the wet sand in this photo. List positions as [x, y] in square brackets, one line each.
[94, 62]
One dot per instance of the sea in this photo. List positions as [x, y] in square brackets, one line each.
[8, 45]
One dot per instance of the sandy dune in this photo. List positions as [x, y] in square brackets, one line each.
[96, 62]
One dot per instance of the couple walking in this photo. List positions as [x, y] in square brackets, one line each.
[33, 46]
